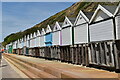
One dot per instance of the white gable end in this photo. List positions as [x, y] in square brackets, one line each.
[43, 31]
[38, 33]
[34, 34]
[31, 35]
[48, 29]
[66, 22]
[100, 16]
[28, 37]
[80, 20]
[57, 27]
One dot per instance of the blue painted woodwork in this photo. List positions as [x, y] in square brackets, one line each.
[48, 39]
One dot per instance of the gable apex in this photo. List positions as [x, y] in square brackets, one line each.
[57, 27]
[67, 22]
[48, 29]
[97, 11]
[38, 33]
[43, 31]
[81, 18]
[34, 35]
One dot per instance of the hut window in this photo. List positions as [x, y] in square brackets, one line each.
[80, 17]
[65, 22]
[56, 27]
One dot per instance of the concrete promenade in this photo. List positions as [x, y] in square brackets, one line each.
[10, 71]
[55, 69]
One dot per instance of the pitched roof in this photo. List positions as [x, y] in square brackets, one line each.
[72, 20]
[110, 8]
[88, 14]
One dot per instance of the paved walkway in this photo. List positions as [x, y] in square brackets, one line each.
[57, 67]
[8, 70]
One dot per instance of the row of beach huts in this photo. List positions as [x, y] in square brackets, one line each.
[90, 39]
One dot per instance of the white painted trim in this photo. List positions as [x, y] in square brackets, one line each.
[48, 29]
[43, 32]
[117, 9]
[34, 35]
[116, 20]
[83, 15]
[103, 9]
[28, 37]
[68, 20]
[58, 26]
[38, 33]
[31, 36]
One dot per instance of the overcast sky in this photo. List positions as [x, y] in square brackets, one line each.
[18, 16]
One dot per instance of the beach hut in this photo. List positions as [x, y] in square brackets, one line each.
[25, 48]
[25, 41]
[48, 41]
[81, 27]
[35, 48]
[117, 21]
[31, 44]
[102, 33]
[34, 40]
[42, 38]
[38, 39]
[117, 42]
[42, 43]
[67, 39]
[28, 41]
[10, 48]
[81, 37]
[57, 41]
[18, 46]
[57, 36]
[101, 24]
[14, 47]
[48, 36]
[67, 31]
[21, 46]
[31, 40]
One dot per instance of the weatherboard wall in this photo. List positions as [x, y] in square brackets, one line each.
[67, 36]
[81, 34]
[57, 38]
[102, 31]
[37, 41]
[42, 41]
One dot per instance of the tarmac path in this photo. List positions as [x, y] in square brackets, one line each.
[9, 71]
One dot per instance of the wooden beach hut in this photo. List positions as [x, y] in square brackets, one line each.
[102, 33]
[57, 41]
[67, 39]
[57, 35]
[42, 43]
[81, 38]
